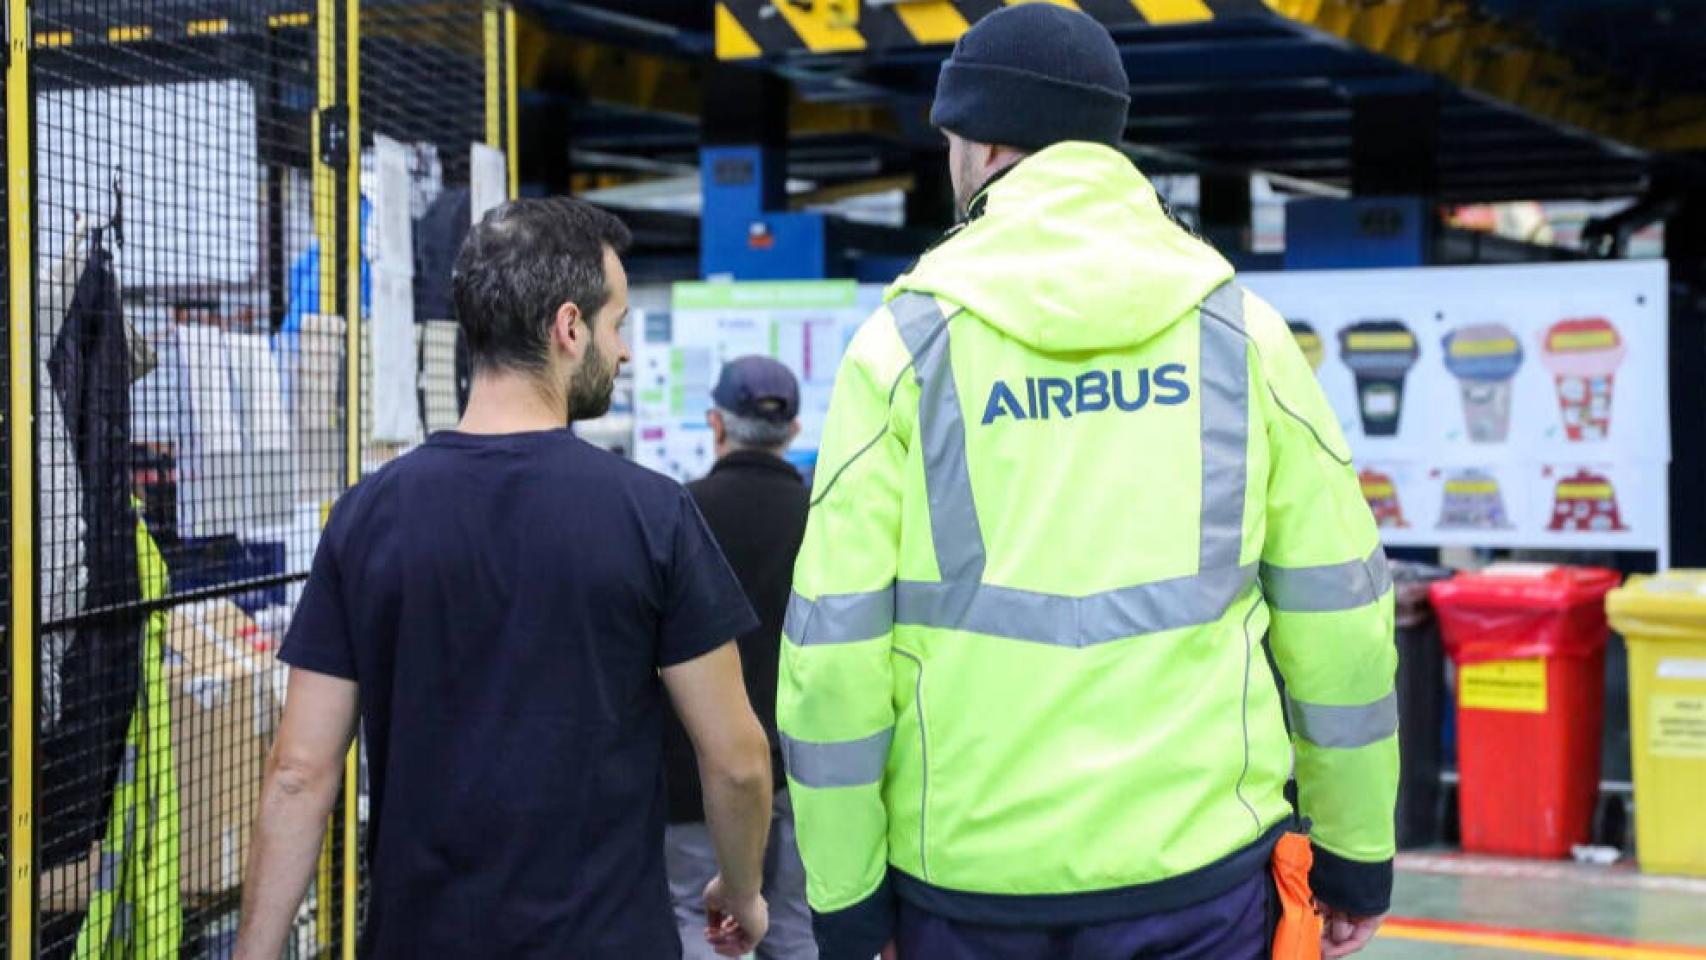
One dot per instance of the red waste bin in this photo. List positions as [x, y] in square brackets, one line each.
[1529, 644]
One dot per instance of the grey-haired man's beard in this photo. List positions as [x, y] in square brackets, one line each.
[591, 387]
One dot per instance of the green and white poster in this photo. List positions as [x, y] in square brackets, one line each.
[679, 354]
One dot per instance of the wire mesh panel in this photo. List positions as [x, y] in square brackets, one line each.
[424, 107]
[190, 433]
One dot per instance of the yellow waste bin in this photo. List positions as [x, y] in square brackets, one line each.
[1663, 618]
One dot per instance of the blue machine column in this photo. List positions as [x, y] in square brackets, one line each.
[746, 231]
[1389, 219]
[1224, 212]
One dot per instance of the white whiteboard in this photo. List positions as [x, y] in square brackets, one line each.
[1530, 409]
[191, 177]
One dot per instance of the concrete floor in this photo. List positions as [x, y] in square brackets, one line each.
[1470, 908]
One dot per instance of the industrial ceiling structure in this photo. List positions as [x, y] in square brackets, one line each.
[1536, 99]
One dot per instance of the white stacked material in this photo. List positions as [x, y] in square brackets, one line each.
[268, 464]
[211, 494]
[438, 375]
[318, 400]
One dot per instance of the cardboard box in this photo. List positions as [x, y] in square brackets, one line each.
[226, 693]
[226, 696]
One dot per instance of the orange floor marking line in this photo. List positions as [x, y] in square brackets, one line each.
[1546, 942]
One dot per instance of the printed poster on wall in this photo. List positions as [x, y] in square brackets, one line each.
[395, 414]
[678, 356]
[1523, 406]
[488, 180]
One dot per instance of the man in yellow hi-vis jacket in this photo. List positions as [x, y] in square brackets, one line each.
[1071, 475]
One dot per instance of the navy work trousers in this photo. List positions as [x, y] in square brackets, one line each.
[1232, 926]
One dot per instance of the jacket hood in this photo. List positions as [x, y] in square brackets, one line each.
[1072, 252]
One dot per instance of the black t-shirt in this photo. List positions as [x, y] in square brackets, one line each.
[756, 505]
[505, 604]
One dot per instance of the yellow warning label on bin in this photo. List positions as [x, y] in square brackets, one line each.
[1678, 727]
[1513, 686]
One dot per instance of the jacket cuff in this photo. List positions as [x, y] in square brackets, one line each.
[1359, 889]
[858, 932]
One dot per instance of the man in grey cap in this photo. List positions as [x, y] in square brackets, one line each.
[755, 504]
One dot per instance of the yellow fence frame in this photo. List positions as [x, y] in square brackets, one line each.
[502, 112]
[20, 275]
[332, 187]
[337, 231]
[352, 407]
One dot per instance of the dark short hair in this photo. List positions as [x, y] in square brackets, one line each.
[520, 263]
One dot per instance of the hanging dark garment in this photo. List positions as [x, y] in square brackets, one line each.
[438, 239]
[89, 367]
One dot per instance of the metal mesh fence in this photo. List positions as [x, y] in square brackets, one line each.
[189, 432]
[420, 161]
[196, 243]
[414, 54]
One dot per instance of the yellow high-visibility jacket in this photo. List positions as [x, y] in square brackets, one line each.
[1072, 474]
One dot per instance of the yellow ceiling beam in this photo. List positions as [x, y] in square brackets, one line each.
[1453, 39]
[658, 84]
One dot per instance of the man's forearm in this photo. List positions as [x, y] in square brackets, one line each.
[288, 830]
[737, 812]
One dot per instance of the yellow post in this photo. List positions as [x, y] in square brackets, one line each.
[512, 126]
[20, 277]
[493, 33]
[352, 399]
[326, 180]
[352, 250]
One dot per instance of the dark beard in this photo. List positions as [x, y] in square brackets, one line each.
[591, 387]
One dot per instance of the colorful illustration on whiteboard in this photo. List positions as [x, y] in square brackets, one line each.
[1584, 355]
[1380, 353]
[1382, 496]
[1472, 502]
[1309, 342]
[1484, 358]
[1585, 502]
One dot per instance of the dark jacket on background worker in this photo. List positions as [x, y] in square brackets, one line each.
[755, 504]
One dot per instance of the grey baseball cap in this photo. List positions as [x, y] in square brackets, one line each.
[758, 387]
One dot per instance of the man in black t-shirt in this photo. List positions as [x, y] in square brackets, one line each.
[504, 610]
[755, 504]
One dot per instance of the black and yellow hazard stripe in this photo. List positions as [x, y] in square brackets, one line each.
[755, 28]
[89, 29]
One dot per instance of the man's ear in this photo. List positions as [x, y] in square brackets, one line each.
[793, 431]
[568, 332]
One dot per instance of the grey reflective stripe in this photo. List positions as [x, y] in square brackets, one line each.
[839, 618]
[127, 769]
[1334, 586]
[942, 431]
[122, 920]
[961, 601]
[1345, 728]
[107, 879]
[1066, 621]
[1224, 382]
[844, 763]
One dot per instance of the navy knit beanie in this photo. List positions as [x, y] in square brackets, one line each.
[1034, 75]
